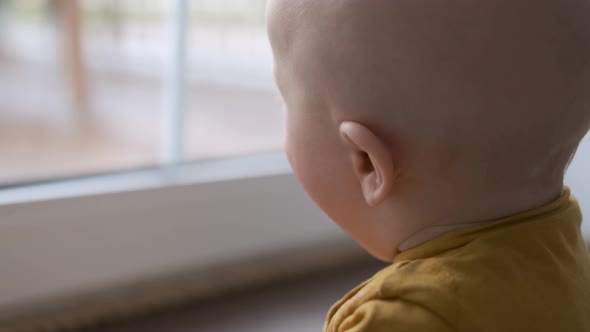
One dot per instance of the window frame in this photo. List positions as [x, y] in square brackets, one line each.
[114, 230]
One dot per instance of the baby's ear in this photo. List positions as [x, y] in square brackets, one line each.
[371, 160]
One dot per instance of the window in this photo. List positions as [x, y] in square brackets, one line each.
[172, 104]
[70, 94]
[234, 106]
[578, 179]
[95, 86]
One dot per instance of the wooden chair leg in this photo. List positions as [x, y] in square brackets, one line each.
[74, 62]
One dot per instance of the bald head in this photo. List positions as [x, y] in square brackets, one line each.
[503, 83]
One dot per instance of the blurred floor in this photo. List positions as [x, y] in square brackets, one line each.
[292, 306]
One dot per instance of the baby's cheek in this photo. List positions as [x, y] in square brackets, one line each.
[302, 162]
[323, 177]
[309, 168]
[321, 164]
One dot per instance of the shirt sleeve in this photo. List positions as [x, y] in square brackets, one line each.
[392, 316]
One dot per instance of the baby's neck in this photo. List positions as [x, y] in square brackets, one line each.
[433, 232]
[472, 211]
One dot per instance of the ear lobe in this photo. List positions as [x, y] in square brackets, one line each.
[371, 160]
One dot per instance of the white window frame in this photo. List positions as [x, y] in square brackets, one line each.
[60, 239]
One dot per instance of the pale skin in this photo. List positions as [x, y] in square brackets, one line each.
[407, 119]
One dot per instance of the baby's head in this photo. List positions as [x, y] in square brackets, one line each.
[407, 114]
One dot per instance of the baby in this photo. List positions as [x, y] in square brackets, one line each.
[437, 134]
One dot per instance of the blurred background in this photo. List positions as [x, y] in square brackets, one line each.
[86, 86]
[82, 85]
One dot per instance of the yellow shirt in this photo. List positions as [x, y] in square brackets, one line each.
[528, 272]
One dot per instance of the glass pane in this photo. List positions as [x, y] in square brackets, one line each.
[79, 86]
[233, 107]
[578, 179]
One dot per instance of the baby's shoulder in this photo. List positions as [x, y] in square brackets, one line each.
[399, 296]
[467, 289]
